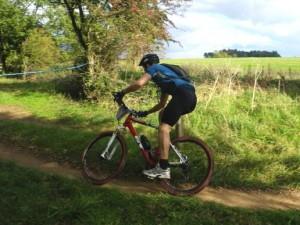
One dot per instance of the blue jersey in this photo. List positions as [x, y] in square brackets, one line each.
[166, 79]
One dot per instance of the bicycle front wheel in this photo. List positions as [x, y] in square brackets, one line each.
[191, 165]
[104, 158]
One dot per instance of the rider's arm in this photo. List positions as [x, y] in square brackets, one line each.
[160, 105]
[136, 85]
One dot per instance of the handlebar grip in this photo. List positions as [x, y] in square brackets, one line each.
[117, 98]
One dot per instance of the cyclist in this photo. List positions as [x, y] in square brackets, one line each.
[183, 101]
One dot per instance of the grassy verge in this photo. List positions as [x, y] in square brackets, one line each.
[30, 197]
[253, 148]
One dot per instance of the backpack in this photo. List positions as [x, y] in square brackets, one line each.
[179, 71]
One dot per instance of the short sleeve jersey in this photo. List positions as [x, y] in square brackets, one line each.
[166, 79]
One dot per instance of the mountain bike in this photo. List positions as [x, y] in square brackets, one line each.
[190, 159]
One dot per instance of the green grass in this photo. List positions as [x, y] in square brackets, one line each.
[273, 64]
[31, 197]
[252, 148]
[45, 105]
[260, 147]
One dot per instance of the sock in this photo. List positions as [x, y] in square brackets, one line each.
[164, 164]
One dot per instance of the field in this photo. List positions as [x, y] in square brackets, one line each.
[253, 131]
[273, 65]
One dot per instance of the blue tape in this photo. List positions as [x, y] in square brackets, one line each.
[45, 71]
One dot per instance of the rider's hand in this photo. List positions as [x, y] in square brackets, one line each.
[142, 113]
[119, 95]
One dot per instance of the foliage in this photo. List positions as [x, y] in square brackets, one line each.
[237, 53]
[71, 86]
[57, 23]
[39, 51]
[15, 25]
[108, 30]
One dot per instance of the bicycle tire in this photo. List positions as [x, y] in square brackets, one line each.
[100, 178]
[170, 188]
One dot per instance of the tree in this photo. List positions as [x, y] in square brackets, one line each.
[39, 51]
[236, 53]
[58, 24]
[105, 29]
[15, 25]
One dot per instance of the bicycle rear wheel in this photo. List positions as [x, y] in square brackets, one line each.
[192, 172]
[104, 158]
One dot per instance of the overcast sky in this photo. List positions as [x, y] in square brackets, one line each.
[208, 25]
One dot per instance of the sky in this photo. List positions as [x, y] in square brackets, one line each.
[209, 25]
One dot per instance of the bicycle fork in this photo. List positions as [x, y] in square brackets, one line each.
[182, 158]
[109, 150]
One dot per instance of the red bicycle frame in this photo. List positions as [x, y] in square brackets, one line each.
[145, 152]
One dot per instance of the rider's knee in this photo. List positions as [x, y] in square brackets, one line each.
[165, 128]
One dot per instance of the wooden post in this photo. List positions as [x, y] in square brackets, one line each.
[179, 129]
[283, 82]
[269, 71]
[256, 76]
[290, 72]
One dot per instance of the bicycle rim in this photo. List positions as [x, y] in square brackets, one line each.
[194, 175]
[104, 158]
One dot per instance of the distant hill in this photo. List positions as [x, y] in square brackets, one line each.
[225, 53]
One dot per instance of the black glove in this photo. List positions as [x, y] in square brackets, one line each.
[142, 113]
[119, 95]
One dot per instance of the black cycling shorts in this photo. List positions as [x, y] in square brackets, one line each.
[183, 101]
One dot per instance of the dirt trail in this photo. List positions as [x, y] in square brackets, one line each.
[8, 112]
[234, 198]
[251, 199]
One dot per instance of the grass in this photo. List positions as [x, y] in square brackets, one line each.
[31, 197]
[256, 148]
[273, 65]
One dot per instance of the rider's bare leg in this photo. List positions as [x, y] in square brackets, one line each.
[163, 170]
[164, 140]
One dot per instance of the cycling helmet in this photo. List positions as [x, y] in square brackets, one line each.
[149, 59]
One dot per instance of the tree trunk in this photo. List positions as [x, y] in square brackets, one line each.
[76, 28]
[91, 64]
[3, 61]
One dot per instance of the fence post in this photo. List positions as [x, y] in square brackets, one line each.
[290, 72]
[179, 129]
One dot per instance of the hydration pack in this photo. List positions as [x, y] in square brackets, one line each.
[179, 71]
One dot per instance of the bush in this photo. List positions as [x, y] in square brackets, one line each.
[71, 86]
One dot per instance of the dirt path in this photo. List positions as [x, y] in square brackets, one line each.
[252, 199]
[8, 112]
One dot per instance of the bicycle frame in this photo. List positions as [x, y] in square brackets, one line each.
[145, 152]
[129, 124]
[130, 119]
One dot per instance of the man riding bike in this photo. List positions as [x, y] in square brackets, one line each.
[183, 101]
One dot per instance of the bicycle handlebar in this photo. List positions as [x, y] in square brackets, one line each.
[122, 104]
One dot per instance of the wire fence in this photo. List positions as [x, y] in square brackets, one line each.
[54, 70]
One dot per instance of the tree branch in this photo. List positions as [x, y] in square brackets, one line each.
[81, 14]
[77, 30]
